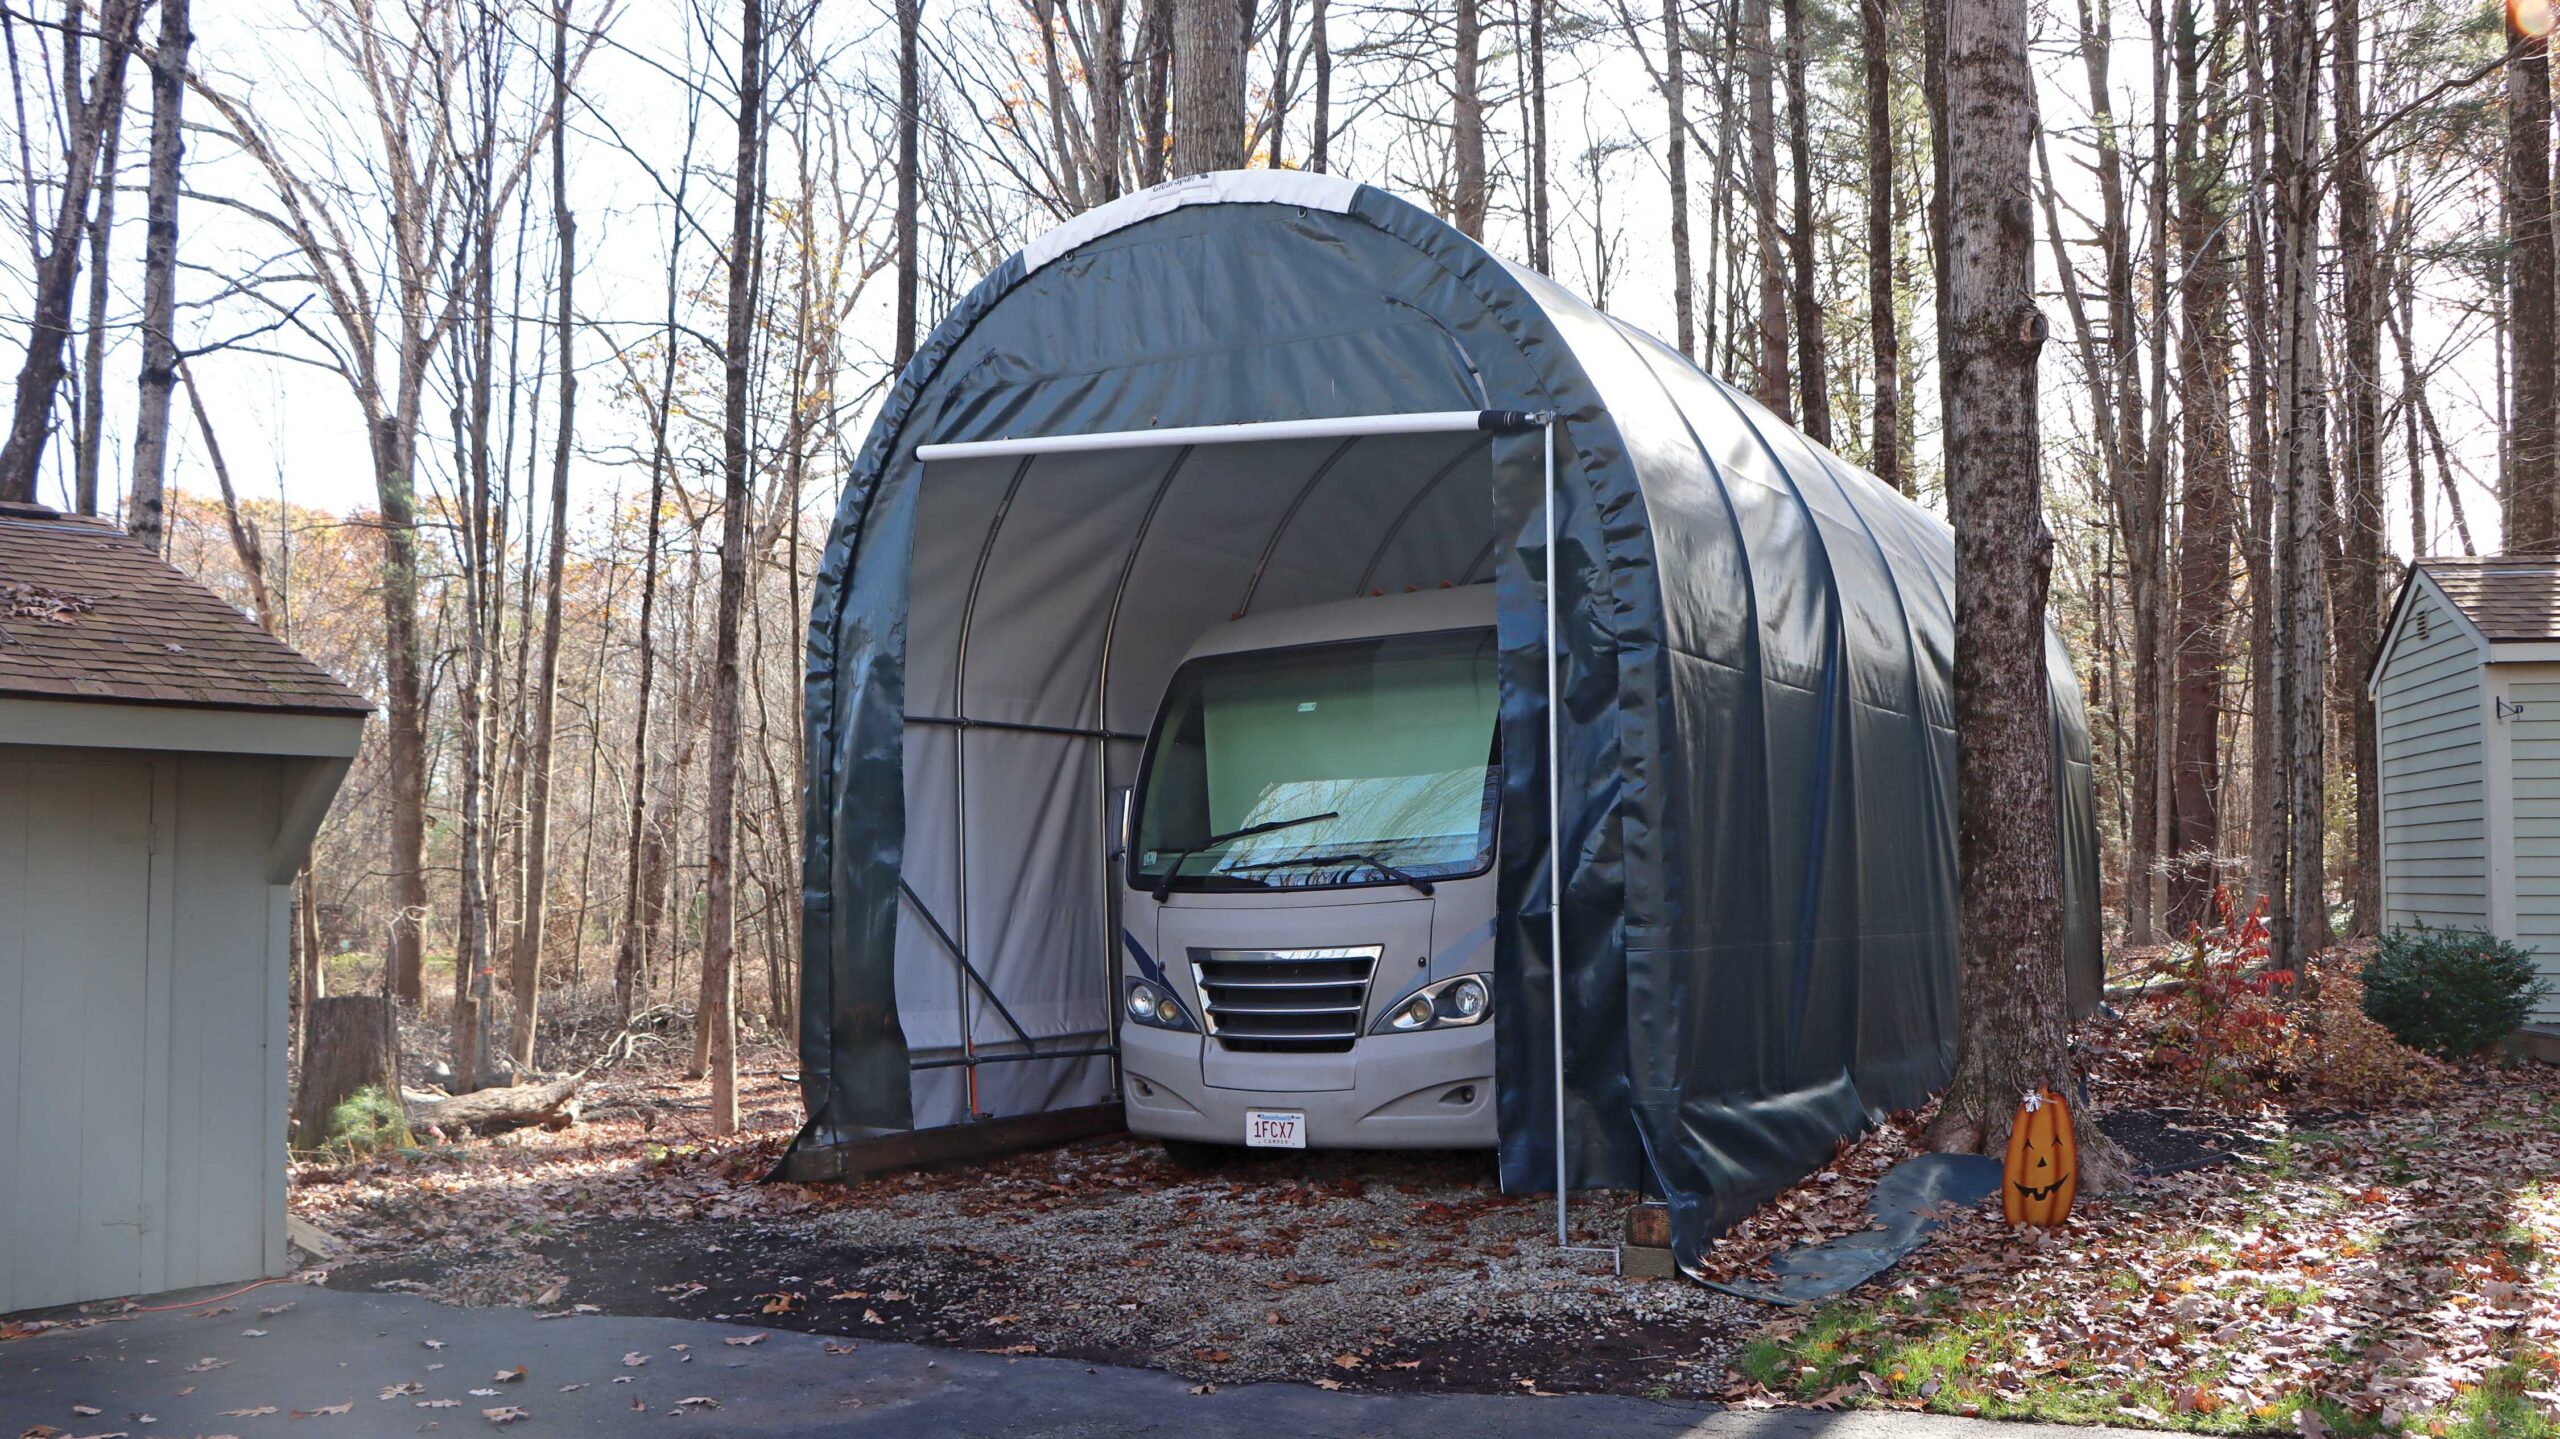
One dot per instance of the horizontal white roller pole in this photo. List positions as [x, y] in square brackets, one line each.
[1427, 422]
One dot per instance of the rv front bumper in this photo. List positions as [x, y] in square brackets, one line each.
[1432, 1090]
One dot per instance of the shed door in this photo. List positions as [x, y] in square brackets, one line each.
[75, 911]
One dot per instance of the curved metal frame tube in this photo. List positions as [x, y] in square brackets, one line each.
[960, 754]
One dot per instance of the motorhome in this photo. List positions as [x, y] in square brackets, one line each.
[1307, 919]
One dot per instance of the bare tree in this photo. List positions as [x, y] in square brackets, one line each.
[1773, 383]
[1813, 368]
[2357, 598]
[2205, 503]
[718, 1015]
[2013, 1032]
[1884, 326]
[1675, 96]
[406, 189]
[2299, 643]
[58, 268]
[525, 968]
[1468, 198]
[160, 272]
[91, 440]
[2532, 492]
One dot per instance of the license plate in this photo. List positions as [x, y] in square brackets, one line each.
[1275, 1129]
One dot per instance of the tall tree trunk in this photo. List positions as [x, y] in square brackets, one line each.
[1813, 369]
[2265, 839]
[1883, 324]
[1469, 199]
[1155, 43]
[93, 356]
[719, 920]
[2361, 296]
[524, 978]
[2204, 534]
[2532, 494]
[2136, 500]
[1320, 149]
[1208, 86]
[160, 267]
[475, 265]
[2013, 1036]
[1541, 233]
[394, 439]
[1675, 95]
[31, 417]
[640, 917]
[1773, 384]
[2301, 924]
[1111, 101]
[910, 99]
[2413, 387]
[1280, 44]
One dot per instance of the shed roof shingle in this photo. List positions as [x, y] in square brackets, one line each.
[87, 613]
[2510, 597]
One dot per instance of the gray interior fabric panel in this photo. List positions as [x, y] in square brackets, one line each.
[1036, 872]
[1329, 545]
[1211, 531]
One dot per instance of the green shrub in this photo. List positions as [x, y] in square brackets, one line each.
[2450, 992]
[366, 1123]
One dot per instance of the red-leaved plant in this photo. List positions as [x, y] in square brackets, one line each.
[2230, 1028]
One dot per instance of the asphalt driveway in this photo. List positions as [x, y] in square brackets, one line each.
[338, 1364]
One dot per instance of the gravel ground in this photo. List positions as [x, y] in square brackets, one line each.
[1329, 1263]
[1373, 1271]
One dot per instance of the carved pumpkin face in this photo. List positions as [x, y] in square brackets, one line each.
[2043, 1169]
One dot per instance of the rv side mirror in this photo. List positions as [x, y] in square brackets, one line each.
[1120, 819]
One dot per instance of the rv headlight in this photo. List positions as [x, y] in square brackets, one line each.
[1449, 1004]
[1468, 998]
[1153, 1005]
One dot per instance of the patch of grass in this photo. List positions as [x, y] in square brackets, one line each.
[2291, 1299]
[2495, 1408]
[1979, 1363]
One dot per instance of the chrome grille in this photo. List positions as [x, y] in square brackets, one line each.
[1290, 1001]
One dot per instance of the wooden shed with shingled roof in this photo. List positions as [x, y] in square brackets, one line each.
[164, 763]
[2466, 691]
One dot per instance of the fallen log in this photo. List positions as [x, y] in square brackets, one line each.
[494, 1111]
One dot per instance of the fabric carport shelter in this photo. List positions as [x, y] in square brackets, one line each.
[1755, 753]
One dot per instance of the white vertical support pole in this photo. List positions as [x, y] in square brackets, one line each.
[1555, 834]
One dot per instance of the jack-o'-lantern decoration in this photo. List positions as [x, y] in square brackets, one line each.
[2043, 1169]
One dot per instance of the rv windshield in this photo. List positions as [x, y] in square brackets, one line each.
[1362, 762]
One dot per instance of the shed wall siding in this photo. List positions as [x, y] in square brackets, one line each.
[148, 1115]
[2434, 789]
[2533, 738]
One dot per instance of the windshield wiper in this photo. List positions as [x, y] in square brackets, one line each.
[1400, 876]
[1164, 881]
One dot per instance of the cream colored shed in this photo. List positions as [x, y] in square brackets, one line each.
[2467, 694]
[164, 763]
